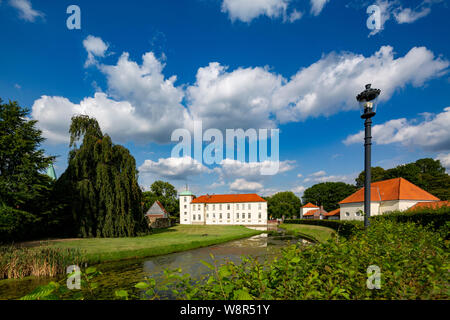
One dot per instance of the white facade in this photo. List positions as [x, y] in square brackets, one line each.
[353, 211]
[234, 213]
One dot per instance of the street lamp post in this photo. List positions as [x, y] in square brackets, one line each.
[367, 100]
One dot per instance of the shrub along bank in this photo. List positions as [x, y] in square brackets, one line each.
[413, 261]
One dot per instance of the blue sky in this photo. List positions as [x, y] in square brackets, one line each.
[145, 69]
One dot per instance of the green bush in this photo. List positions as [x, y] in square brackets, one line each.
[343, 228]
[434, 218]
[413, 262]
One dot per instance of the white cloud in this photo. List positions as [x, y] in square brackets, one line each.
[221, 98]
[408, 15]
[433, 133]
[445, 160]
[244, 185]
[95, 47]
[250, 170]
[394, 8]
[329, 85]
[247, 10]
[299, 175]
[336, 178]
[17, 86]
[317, 6]
[299, 190]
[174, 168]
[141, 104]
[318, 173]
[153, 106]
[26, 11]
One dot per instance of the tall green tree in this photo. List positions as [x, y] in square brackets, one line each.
[101, 184]
[377, 174]
[328, 194]
[166, 194]
[24, 187]
[283, 203]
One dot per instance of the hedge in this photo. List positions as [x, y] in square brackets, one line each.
[343, 228]
[433, 218]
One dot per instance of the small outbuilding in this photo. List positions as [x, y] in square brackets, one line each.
[157, 216]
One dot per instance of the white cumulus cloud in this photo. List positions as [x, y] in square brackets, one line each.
[247, 10]
[95, 47]
[445, 160]
[433, 133]
[317, 6]
[26, 11]
[174, 168]
[244, 185]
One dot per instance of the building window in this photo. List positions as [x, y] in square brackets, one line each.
[347, 214]
[185, 213]
[259, 215]
[193, 217]
[185, 206]
[214, 207]
[185, 219]
[237, 215]
[228, 207]
[220, 206]
[237, 206]
[199, 217]
[249, 206]
[259, 206]
[228, 215]
[220, 216]
[214, 215]
[206, 207]
[249, 215]
[185, 199]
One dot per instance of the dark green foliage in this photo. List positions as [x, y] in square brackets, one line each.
[343, 228]
[283, 204]
[413, 262]
[166, 194]
[328, 194]
[426, 173]
[25, 208]
[434, 218]
[100, 184]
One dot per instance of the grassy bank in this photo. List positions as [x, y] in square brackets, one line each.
[174, 239]
[320, 234]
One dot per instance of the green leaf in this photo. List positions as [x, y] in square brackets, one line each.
[142, 285]
[207, 264]
[123, 294]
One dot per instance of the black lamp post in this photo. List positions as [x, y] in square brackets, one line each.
[367, 100]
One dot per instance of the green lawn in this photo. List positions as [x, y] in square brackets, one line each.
[320, 234]
[174, 239]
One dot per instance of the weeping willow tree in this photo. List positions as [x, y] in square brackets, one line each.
[100, 184]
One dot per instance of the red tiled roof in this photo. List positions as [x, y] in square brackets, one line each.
[392, 189]
[309, 205]
[430, 205]
[311, 212]
[226, 198]
[336, 212]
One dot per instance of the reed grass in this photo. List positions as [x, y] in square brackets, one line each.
[20, 262]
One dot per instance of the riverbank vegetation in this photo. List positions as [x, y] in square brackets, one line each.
[18, 263]
[413, 261]
[174, 239]
[316, 233]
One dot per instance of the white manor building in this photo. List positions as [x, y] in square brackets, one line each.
[225, 209]
[386, 196]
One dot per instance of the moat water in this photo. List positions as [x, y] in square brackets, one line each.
[125, 274]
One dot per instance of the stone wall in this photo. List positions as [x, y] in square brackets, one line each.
[160, 223]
